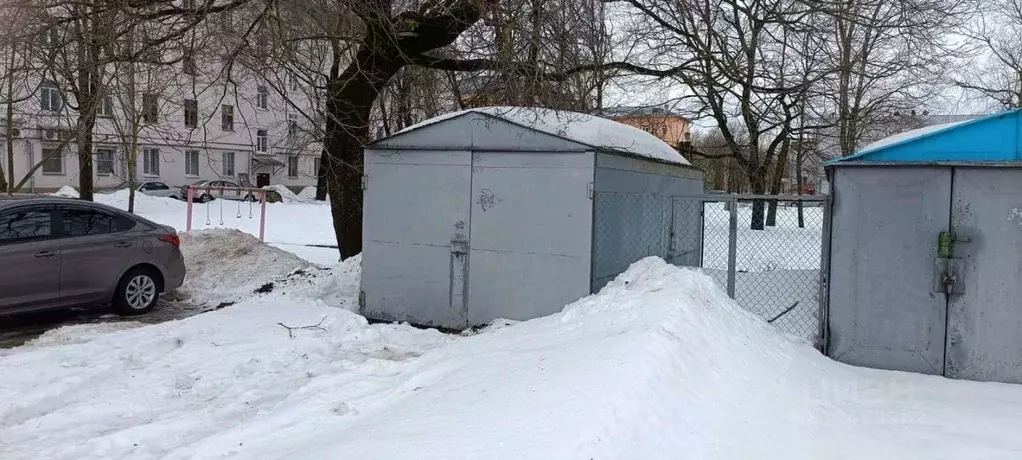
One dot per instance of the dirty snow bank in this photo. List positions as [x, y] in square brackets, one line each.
[226, 266]
[659, 365]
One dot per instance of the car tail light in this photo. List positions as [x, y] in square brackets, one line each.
[172, 239]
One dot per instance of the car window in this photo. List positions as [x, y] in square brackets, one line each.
[158, 186]
[24, 224]
[84, 222]
[230, 184]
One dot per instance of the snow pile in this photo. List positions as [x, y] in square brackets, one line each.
[80, 333]
[119, 199]
[658, 365]
[286, 195]
[583, 128]
[226, 265]
[308, 194]
[67, 191]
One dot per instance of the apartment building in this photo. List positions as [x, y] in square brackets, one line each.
[188, 121]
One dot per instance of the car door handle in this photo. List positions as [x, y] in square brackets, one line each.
[41, 254]
[122, 244]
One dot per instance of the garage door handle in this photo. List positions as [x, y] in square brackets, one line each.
[45, 254]
[123, 244]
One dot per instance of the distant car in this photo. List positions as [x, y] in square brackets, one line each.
[62, 252]
[205, 196]
[158, 189]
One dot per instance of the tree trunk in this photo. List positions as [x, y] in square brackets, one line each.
[757, 182]
[86, 123]
[349, 105]
[780, 167]
[132, 158]
[798, 191]
[321, 175]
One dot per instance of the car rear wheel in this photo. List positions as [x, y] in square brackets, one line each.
[205, 198]
[138, 292]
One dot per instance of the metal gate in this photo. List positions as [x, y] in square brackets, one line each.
[926, 271]
[774, 271]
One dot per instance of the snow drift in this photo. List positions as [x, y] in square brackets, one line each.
[226, 266]
[659, 365]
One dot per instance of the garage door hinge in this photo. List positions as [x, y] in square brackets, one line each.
[590, 192]
[365, 181]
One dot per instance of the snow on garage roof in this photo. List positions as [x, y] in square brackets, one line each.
[909, 135]
[579, 127]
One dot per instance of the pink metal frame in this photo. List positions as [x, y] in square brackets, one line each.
[239, 190]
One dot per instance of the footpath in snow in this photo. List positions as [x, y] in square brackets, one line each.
[659, 365]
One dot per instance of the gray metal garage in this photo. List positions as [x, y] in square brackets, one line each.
[926, 252]
[489, 213]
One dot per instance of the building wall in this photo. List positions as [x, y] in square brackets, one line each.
[40, 129]
[671, 129]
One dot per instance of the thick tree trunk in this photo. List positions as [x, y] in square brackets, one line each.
[757, 182]
[775, 187]
[349, 105]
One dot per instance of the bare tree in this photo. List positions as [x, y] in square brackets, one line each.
[888, 57]
[996, 71]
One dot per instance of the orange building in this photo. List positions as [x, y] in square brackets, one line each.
[669, 126]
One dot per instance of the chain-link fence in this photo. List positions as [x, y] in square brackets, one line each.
[764, 251]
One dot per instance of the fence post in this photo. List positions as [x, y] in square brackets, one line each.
[823, 312]
[732, 248]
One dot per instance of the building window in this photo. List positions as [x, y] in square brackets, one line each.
[191, 113]
[262, 98]
[292, 166]
[292, 80]
[227, 117]
[188, 63]
[105, 108]
[228, 164]
[150, 108]
[151, 162]
[192, 163]
[50, 98]
[53, 161]
[292, 124]
[51, 37]
[262, 141]
[315, 167]
[104, 162]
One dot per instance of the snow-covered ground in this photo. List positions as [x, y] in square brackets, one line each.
[777, 267]
[659, 365]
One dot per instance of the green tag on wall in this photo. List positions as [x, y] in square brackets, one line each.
[945, 244]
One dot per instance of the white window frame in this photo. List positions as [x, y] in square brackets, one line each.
[194, 123]
[51, 99]
[191, 163]
[292, 168]
[60, 157]
[151, 162]
[100, 161]
[150, 108]
[292, 124]
[262, 98]
[227, 164]
[105, 108]
[227, 114]
[262, 141]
